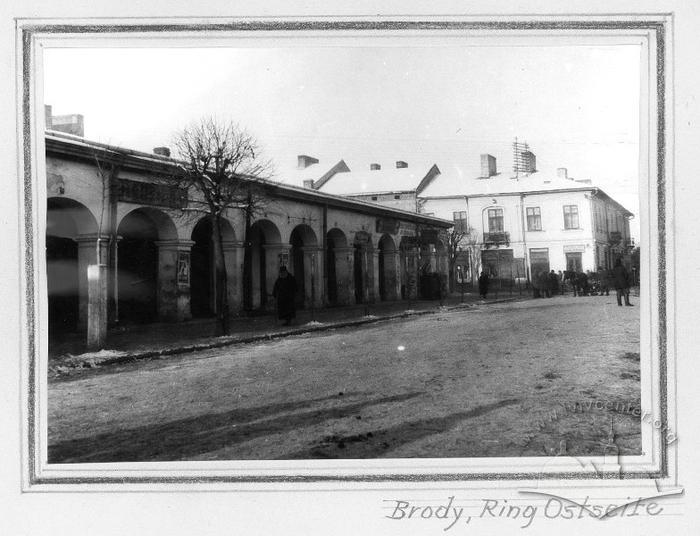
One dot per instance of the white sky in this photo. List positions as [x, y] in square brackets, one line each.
[577, 106]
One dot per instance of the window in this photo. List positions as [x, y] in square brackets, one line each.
[534, 219]
[571, 217]
[460, 221]
[374, 198]
[495, 220]
[397, 197]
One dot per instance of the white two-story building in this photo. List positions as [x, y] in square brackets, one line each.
[514, 224]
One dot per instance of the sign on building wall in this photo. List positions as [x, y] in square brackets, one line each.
[388, 225]
[283, 259]
[147, 193]
[183, 268]
[574, 249]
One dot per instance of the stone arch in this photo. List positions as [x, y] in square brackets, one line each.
[389, 288]
[71, 234]
[303, 263]
[145, 279]
[263, 255]
[338, 270]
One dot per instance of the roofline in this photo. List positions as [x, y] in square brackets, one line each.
[76, 147]
[354, 194]
[593, 189]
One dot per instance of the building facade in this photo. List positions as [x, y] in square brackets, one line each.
[119, 232]
[516, 224]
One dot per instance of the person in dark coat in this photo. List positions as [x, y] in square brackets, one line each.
[621, 280]
[606, 280]
[553, 283]
[581, 285]
[483, 285]
[285, 292]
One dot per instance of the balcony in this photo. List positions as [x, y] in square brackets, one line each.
[501, 238]
[614, 238]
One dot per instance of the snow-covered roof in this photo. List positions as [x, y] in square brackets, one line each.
[454, 183]
[366, 181]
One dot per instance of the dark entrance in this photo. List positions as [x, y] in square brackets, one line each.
[574, 262]
[62, 281]
[498, 263]
[539, 261]
[138, 269]
[201, 275]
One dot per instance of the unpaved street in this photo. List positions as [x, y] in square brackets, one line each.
[473, 382]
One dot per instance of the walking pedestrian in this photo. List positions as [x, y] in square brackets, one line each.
[483, 285]
[622, 283]
[284, 292]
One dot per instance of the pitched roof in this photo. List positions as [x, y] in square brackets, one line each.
[368, 181]
[456, 184]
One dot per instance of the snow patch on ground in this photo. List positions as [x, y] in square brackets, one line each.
[315, 323]
[370, 316]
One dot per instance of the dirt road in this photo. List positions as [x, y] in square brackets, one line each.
[477, 382]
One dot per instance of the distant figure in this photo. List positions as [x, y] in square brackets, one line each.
[606, 279]
[536, 281]
[581, 284]
[621, 279]
[553, 283]
[483, 285]
[284, 292]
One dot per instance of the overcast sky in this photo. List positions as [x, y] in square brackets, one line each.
[577, 106]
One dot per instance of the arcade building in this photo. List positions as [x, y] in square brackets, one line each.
[119, 234]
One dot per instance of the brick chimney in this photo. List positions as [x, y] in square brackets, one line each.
[47, 115]
[304, 161]
[71, 124]
[309, 183]
[562, 173]
[375, 167]
[162, 151]
[488, 166]
[401, 164]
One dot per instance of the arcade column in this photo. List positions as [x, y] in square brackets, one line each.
[392, 269]
[173, 287]
[313, 276]
[233, 259]
[94, 290]
[344, 275]
[373, 272]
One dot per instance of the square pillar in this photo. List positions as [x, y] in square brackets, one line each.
[87, 256]
[410, 271]
[313, 276]
[344, 275]
[173, 287]
[392, 274]
[373, 269]
[233, 260]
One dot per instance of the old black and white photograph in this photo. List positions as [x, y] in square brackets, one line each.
[354, 251]
[302, 267]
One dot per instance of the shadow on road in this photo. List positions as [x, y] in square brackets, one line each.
[373, 444]
[185, 438]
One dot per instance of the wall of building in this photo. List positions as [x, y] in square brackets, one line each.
[151, 266]
[399, 200]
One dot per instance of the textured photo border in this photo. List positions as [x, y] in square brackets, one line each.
[28, 30]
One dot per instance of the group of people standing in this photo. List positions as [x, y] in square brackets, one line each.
[546, 284]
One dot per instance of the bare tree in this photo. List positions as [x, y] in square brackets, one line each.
[471, 243]
[455, 237]
[220, 163]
